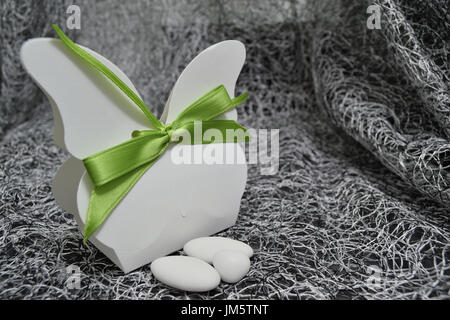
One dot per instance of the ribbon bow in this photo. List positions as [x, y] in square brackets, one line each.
[116, 170]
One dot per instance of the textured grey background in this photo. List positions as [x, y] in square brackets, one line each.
[363, 183]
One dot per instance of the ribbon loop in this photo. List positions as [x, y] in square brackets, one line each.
[209, 106]
[211, 131]
[110, 164]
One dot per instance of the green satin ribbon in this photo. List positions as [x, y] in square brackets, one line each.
[116, 170]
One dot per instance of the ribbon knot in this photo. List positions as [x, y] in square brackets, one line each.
[116, 170]
[168, 129]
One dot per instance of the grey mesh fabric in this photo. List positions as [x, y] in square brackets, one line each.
[359, 208]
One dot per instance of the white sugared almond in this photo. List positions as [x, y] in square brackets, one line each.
[185, 273]
[206, 247]
[232, 265]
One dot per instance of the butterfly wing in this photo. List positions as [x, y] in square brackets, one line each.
[90, 112]
[219, 64]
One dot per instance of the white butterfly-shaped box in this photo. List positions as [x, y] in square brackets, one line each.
[171, 203]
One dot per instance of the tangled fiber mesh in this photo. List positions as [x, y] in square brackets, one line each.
[383, 89]
[359, 206]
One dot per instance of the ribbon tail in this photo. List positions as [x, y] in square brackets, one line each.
[106, 197]
[238, 100]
